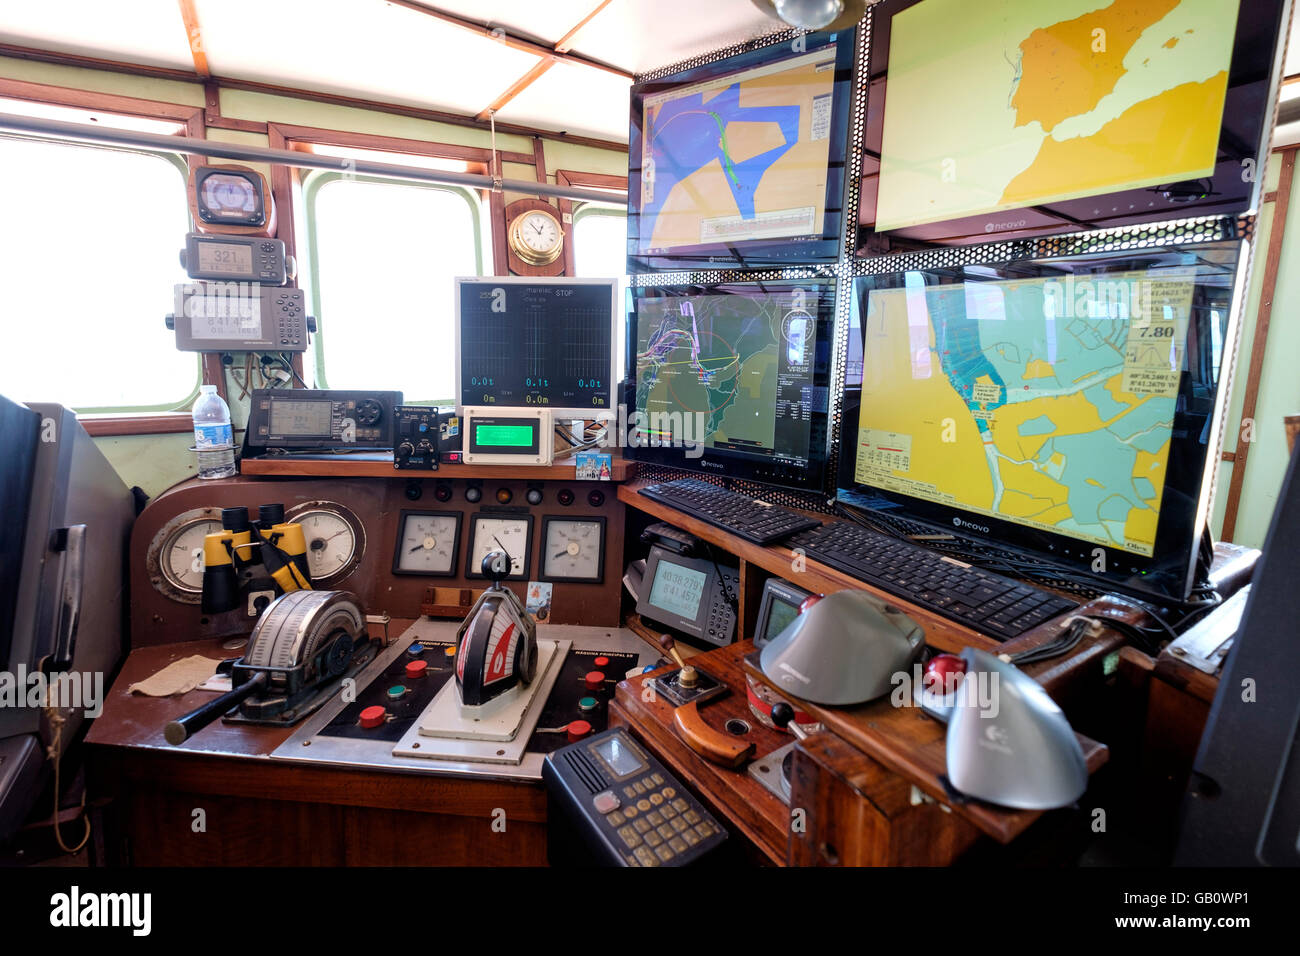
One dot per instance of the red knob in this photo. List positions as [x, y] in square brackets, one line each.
[809, 601]
[594, 680]
[577, 730]
[601, 662]
[943, 673]
[372, 717]
[416, 669]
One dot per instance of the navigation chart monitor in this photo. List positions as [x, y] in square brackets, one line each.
[732, 379]
[1066, 406]
[1056, 116]
[740, 162]
[524, 342]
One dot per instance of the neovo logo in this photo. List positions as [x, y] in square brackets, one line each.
[77, 909]
[969, 526]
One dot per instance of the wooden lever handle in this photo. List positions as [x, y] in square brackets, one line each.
[712, 745]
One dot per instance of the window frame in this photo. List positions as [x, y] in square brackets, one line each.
[135, 420]
[312, 183]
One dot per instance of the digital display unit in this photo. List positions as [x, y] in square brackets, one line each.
[524, 342]
[732, 379]
[1060, 116]
[741, 162]
[1068, 407]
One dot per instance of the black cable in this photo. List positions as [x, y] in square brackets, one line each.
[722, 582]
[288, 365]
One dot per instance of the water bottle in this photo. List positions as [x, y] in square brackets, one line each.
[214, 441]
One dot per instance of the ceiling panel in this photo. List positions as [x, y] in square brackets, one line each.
[574, 99]
[542, 20]
[359, 48]
[138, 31]
[640, 35]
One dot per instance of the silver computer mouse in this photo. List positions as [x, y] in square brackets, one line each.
[1008, 743]
[845, 649]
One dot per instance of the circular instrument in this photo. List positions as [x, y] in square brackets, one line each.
[175, 556]
[336, 540]
[573, 549]
[536, 237]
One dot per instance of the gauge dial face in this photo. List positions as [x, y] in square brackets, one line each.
[509, 533]
[573, 549]
[181, 559]
[331, 542]
[427, 543]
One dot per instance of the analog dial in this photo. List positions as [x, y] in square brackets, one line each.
[427, 544]
[536, 237]
[335, 539]
[574, 549]
[509, 533]
[181, 557]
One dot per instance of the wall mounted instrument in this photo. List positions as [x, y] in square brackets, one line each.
[612, 804]
[240, 317]
[423, 435]
[517, 436]
[231, 200]
[573, 549]
[246, 258]
[428, 543]
[322, 420]
[303, 643]
[335, 540]
[508, 531]
[175, 556]
[534, 235]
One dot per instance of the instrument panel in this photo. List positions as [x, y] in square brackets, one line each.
[390, 540]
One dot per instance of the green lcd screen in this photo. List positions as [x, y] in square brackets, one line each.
[504, 436]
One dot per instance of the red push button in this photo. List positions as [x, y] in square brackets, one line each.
[416, 669]
[577, 730]
[601, 662]
[594, 680]
[372, 717]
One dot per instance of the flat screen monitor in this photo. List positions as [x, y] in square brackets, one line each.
[740, 162]
[1068, 407]
[732, 379]
[524, 342]
[1051, 116]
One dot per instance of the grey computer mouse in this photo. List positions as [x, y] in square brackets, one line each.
[1008, 742]
[845, 649]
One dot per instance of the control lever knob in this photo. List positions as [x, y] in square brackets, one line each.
[405, 450]
[782, 715]
[496, 565]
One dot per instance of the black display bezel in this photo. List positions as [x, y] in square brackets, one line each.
[775, 591]
[542, 554]
[255, 218]
[1244, 135]
[695, 626]
[1166, 575]
[401, 533]
[824, 247]
[759, 467]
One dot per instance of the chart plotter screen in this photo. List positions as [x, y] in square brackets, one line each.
[536, 342]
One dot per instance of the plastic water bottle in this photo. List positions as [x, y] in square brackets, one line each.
[214, 440]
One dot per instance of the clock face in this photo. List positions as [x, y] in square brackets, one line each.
[536, 237]
[427, 543]
[509, 533]
[573, 549]
[334, 541]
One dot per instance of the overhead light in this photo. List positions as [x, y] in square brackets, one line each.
[816, 14]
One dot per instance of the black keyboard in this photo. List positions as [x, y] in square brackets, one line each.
[985, 602]
[742, 515]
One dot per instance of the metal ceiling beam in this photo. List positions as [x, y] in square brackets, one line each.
[86, 132]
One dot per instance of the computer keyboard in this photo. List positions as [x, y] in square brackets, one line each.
[986, 602]
[742, 515]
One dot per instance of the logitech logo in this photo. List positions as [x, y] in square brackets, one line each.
[995, 738]
[969, 526]
[1003, 226]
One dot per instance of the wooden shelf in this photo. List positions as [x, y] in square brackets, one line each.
[343, 467]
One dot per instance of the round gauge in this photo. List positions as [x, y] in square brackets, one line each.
[175, 556]
[509, 533]
[573, 549]
[535, 237]
[427, 543]
[335, 539]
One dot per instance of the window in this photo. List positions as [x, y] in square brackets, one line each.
[600, 251]
[88, 261]
[383, 256]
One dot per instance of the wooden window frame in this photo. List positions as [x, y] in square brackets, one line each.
[573, 177]
[190, 118]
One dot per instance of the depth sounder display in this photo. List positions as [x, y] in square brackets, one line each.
[527, 342]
